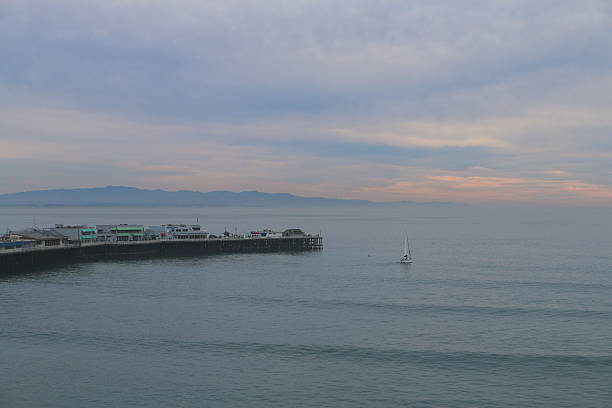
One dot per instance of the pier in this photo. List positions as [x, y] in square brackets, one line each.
[29, 259]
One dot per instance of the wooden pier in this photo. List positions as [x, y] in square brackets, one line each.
[30, 259]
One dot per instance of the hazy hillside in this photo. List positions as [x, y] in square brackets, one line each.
[117, 195]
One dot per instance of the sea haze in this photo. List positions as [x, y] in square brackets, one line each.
[502, 307]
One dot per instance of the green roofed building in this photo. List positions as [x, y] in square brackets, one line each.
[81, 233]
[119, 232]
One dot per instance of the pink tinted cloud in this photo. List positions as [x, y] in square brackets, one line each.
[489, 189]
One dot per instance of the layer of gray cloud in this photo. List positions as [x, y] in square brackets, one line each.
[231, 59]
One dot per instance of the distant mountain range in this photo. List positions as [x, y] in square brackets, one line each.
[132, 196]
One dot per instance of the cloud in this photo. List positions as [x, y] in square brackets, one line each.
[236, 59]
[476, 189]
[428, 99]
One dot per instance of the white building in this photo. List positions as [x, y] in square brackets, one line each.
[177, 231]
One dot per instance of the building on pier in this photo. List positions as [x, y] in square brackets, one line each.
[266, 233]
[293, 232]
[41, 238]
[11, 241]
[81, 233]
[119, 232]
[176, 231]
[8, 245]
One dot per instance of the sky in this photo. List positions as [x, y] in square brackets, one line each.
[437, 100]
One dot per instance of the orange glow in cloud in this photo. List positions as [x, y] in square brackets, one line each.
[590, 191]
[476, 182]
[484, 189]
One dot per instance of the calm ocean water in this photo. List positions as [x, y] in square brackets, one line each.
[502, 308]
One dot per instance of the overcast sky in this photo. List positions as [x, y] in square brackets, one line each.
[470, 101]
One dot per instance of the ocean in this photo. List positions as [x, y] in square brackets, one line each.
[502, 307]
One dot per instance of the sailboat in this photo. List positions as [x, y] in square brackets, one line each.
[407, 258]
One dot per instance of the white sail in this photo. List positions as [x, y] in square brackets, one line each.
[407, 258]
